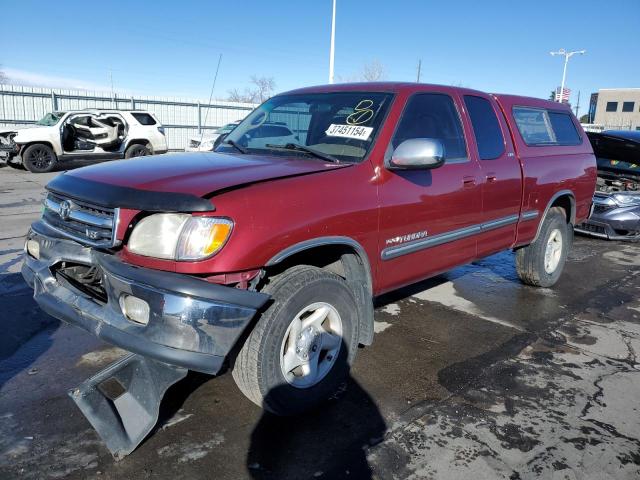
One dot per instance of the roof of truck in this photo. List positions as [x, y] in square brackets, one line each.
[409, 87]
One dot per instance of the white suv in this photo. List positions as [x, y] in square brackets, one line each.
[86, 134]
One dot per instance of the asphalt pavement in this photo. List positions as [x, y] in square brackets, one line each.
[471, 375]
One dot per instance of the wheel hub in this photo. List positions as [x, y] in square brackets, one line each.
[311, 345]
[553, 251]
[308, 343]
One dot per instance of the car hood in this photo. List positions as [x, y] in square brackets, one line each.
[199, 174]
[16, 128]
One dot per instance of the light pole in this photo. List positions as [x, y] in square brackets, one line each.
[567, 56]
[333, 42]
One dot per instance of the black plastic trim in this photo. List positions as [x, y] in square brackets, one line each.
[182, 284]
[115, 196]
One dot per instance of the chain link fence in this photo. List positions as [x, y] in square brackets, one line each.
[182, 118]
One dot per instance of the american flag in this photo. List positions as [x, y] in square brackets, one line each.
[565, 95]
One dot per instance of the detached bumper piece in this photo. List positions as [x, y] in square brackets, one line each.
[122, 402]
[186, 321]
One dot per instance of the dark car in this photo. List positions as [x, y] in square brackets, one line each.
[616, 203]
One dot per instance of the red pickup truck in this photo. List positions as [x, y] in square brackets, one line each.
[269, 251]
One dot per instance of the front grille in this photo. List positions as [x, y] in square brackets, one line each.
[590, 227]
[86, 223]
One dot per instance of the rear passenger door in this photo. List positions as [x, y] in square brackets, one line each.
[501, 179]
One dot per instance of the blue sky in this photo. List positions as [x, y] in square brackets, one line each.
[171, 48]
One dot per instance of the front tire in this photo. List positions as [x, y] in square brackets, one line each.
[39, 158]
[540, 264]
[137, 150]
[303, 345]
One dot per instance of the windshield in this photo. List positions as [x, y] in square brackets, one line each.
[342, 125]
[50, 119]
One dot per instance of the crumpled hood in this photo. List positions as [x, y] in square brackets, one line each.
[200, 174]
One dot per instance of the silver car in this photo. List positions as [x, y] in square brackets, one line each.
[616, 202]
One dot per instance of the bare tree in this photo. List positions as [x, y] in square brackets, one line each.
[3, 77]
[373, 71]
[262, 89]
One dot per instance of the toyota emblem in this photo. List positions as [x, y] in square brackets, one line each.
[64, 210]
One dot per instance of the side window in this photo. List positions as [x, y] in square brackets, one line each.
[485, 127]
[432, 115]
[539, 126]
[144, 118]
[534, 125]
[563, 127]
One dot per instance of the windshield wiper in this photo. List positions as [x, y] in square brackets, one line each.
[235, 145]
[302, 148]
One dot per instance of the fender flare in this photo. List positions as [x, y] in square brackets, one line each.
[365, 292]
[555, 196]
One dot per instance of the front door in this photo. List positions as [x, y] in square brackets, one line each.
[428, 217]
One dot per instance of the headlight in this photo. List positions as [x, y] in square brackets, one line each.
[179, 236]
[626, 199]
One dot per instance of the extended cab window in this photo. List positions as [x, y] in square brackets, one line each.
[433, 115]
[485, 127]
[539, 126]
[144, 118]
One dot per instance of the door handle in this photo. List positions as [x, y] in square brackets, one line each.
[491, 177]
[468, 181]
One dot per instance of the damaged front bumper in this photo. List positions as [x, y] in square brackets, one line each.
[192, 323]
[612, 223]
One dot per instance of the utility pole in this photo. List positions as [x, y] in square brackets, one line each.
[333, 42]
[578, 105]
[567, 56]
[419, 67]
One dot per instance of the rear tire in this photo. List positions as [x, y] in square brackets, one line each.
[137, 150]
[321, 350]
[39, 158]
[540, 264]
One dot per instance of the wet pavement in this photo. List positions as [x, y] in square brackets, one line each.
[471, 374]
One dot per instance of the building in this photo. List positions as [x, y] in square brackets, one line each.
[618, 108]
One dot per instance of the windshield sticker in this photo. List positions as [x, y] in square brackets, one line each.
[362, 113]
[349, 131]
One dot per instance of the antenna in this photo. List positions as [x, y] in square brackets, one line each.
[213, 85]
[419, 67]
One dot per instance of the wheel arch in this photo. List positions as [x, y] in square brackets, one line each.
[565, 199]
[24, 146]
[138, 141]
[343, 256]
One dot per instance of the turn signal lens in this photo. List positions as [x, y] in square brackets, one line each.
[202, 237]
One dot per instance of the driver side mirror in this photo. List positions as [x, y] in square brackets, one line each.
[417, 153]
